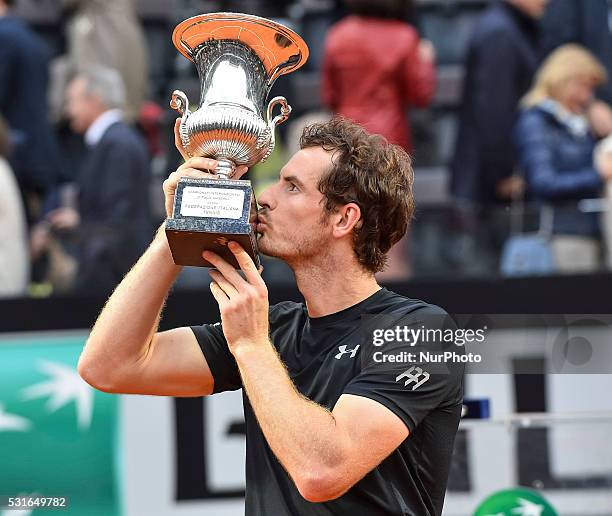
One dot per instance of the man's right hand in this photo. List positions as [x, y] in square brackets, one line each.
[198, 167]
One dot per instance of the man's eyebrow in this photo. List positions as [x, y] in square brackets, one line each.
[293, 179]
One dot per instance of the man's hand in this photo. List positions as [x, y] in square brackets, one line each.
[511, 188]
[64, 219]
[243, 303]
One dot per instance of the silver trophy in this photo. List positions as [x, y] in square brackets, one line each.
[238, 57]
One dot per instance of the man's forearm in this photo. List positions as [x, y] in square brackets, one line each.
[302, 434]
[130, 317]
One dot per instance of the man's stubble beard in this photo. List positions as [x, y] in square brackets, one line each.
[294, 251]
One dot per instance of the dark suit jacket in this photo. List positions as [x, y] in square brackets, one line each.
[501, 62]
[24, 62]
[116, 224]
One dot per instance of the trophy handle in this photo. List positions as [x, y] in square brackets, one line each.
[180, 102]
[284, 114]
[277, 120]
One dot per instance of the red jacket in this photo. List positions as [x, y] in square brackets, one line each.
[372, 72]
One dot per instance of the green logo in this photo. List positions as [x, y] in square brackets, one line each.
[57, 434]
[515, 502]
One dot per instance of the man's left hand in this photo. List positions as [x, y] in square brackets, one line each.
[64, 219]
[243, 302]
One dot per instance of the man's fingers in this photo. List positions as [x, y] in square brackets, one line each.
[200, 163]
[218, 294]
[246, 264]
[170, 183]
[227, 270]
[225, 285]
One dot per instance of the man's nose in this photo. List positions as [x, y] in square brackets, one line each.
[265, 198]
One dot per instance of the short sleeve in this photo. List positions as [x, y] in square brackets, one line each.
[413, 384]
[218, 356]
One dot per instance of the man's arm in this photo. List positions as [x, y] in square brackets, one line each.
[124, 353]
[324, 452]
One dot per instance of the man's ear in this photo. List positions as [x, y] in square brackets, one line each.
[347, 218]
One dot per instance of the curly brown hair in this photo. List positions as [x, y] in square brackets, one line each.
[372, 173]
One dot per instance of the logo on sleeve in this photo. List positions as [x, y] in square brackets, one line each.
[414, 375]
[343, 351]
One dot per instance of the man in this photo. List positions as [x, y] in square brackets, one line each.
[328, 430]
[501, 61]
[24, 60]
[113, 215]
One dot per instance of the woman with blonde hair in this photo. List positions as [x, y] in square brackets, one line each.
[555, 146]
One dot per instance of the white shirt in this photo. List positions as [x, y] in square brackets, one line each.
[101, 124]
[14, 252]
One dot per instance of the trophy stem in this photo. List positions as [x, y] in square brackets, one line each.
[225, 168]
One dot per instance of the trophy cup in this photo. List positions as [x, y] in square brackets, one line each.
[238, 57]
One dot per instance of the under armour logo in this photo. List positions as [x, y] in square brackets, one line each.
[344, 351]
[419, 378]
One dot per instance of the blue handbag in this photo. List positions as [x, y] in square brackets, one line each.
[530, 254]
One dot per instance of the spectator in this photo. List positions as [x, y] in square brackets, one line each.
[113, 215]
[14, 261]
[108, 33]
[585, 23]
[374, 67]
[501, 61]
[555, 145]
[24, 60]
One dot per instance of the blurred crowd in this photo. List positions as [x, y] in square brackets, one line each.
[86, 132]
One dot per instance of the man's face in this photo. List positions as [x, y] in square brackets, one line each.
[81, 108]
[292, 222]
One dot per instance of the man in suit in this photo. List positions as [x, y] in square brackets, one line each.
[502, 59]
[113, 215]
[24, 62]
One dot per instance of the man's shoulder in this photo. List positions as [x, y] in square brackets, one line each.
[393, 303]
[123, 137]
[122, 132]
[285, 310]
[495, 23]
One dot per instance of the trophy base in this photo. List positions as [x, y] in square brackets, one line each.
[208, 214]
[188, 241]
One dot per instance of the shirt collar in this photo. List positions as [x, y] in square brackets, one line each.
[577, 125]
[101, 124]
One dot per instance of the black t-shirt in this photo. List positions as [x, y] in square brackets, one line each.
[330, 356]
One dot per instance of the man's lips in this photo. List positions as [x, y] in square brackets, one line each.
[261, 222]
